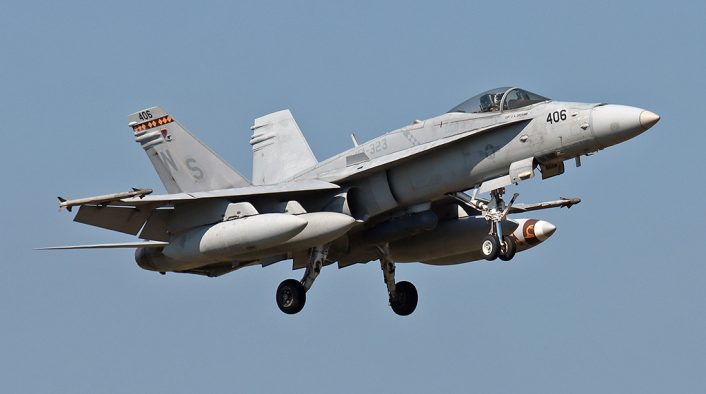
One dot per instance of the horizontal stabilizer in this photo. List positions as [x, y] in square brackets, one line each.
[133, 245]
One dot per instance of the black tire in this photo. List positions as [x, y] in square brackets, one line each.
[291, 296]
[490, 248]
[508, 249]
[405, 300]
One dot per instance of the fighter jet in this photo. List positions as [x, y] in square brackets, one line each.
[431, 192]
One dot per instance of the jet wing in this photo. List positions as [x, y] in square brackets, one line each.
[140, 197]
[279, 188]
[127, 212]
[395, 158]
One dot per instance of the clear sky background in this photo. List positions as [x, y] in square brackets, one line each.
[613, 302]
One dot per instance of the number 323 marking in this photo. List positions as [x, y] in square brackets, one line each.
[377, 146]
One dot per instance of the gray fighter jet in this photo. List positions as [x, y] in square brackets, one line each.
[398, 198]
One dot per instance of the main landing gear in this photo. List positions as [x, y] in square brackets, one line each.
[403, 295]
[291, 293]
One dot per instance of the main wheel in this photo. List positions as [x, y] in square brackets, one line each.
[405, 300]
[291, 296]
[507, 249]
[490, 247]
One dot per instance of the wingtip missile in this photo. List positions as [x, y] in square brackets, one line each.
[569, 202]
[61, 202]
[142, 192]
[103, 199]
[562, 202]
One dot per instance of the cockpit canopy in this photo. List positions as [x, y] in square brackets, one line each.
[492, 100]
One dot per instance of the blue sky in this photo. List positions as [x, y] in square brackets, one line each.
[613, 302]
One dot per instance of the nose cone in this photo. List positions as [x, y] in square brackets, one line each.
[648, 119]
[613, 124]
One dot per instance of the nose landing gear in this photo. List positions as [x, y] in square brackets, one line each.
[495, 211]
[495, 244]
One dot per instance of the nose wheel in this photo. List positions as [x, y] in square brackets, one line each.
[508, 248]
[497, 245]
[490, 247]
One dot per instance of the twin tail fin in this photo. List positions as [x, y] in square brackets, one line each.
[183, 163]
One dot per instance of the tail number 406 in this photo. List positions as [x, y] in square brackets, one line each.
[145, 115]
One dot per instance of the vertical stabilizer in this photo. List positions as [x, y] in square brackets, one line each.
[183, 163]
[279, 149]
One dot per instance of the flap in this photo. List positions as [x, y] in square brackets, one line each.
[122, 219]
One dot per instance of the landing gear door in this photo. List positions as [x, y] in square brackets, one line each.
[519, 171]
[522, 170]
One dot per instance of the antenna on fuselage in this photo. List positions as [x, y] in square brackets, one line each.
[354, 139]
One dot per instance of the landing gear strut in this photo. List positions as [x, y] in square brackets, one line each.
[496, 244]
[403, 295]
[291, 293]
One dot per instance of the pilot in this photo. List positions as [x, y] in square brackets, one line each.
[486, 103]
[496, 101]
[490, 102]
